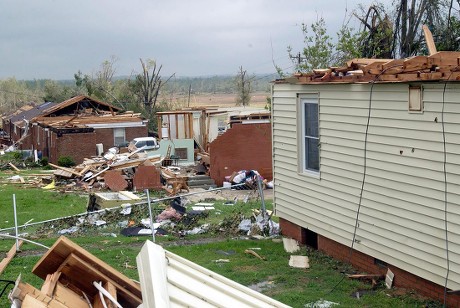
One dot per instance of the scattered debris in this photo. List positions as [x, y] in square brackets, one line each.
[374, 278]
[221, 261]
[255, 254]
[389, 279]
[321, 304]
[262, 286]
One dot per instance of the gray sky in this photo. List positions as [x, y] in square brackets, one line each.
[56, 38]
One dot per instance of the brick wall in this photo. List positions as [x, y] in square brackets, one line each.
[78, 146]
[105, 135]
[134, 132]
[367, 264]
[244, 146]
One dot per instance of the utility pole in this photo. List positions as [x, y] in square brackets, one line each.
[189, 91]
[299, 59]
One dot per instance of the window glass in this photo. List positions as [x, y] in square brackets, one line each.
[310, 133]
[119, 136]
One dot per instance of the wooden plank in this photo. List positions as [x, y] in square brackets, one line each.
[64, 169]
[82, 275]
[23, 290]
[68, 297]
[9, 256]
[50, 283]
[416, 63]
[429, 40]
[63, 247]
[444, 58]
[31, 302]
[13, 166]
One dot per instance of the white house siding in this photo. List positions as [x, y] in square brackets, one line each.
[401, 218]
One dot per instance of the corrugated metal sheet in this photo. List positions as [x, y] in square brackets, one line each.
[168, 280]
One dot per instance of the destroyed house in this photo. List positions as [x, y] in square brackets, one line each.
[229, 139]
[82, 126]
[366, 159]
[204, 124]
[16, 124]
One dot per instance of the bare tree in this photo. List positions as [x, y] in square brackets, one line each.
[147, 85]
[243, 88]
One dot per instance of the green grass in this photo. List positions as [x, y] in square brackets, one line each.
[292, 286]
[37, 204]
[295, 287]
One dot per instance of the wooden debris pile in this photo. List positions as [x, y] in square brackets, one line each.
[177, 182]
[75, 278]
[116, 171]
[442, 65]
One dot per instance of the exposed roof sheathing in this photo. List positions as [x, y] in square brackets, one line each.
[78, 99]
[441, 66]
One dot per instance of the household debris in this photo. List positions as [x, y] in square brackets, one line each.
[321, 304]
[247, 177]
[102, 200]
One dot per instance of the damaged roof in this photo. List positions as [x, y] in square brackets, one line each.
[82, 111]
[80, 104]
[30, 113]
[440, 66]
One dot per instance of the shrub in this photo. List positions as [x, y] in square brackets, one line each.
[44, 161]
[65, 161]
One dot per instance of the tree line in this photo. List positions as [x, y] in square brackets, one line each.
[145, 92]
[383, 32]
[387, 32]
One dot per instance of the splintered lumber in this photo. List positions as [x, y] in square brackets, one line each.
[255, 254]
[80, 268]
[50, 283]
[81, 275]
[33, 298]
[135, 162]
[9, 256]
[64, 169]
[429, 40]
[13, 166]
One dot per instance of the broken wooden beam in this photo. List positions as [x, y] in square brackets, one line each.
[9, 256]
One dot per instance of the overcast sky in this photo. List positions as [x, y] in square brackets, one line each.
[56, 38]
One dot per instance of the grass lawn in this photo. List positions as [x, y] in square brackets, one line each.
[273, 277]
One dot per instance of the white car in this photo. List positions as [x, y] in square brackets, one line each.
[144, 143]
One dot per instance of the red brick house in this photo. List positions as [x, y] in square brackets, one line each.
[74, 127]
[16, 124]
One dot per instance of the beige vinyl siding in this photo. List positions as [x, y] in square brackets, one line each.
[402, 215]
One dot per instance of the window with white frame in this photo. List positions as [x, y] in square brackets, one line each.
[310, 132]
[119, 138]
